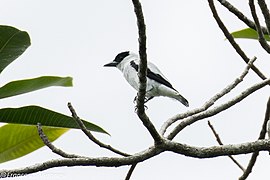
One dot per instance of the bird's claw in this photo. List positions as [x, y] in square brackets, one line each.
[145, 99]
[136, 108]
[135, 99]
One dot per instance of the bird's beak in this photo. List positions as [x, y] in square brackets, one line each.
[111, 64]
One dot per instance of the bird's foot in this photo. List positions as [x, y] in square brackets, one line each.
[136, 107]
[135, 99]
[145, 100]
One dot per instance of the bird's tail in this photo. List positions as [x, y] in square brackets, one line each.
[183, 100]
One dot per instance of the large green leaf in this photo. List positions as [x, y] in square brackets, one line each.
[18, 140]
[27, 85]
[13, 43]
[31, 115]
[248, 33]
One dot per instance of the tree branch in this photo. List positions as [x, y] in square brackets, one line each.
[220, 143]
[130, 171]
[240, 15]
[262, 40]
[266, 13]
[232, 41]
[142, 73]
[210, 102]
[90, 135]
[191, 151]
[54, 149]
[217, 109]
[162, 144]
[261, 136]
[215, 151]
[101, 161]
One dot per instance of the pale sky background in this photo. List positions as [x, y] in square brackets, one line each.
[76, 38]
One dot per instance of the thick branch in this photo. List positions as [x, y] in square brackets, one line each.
[191, 151]
[215, 151]
[217, 109]
[101, 161]
[142, 73]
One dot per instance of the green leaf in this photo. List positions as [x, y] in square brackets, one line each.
[19, 140]
[248, 33]
[31, 115]
[27, 85]
[13, 43]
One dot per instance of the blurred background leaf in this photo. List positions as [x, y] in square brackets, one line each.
[18, 140]
[248, 33]
[13, 43]
[31, 115]
[27, 85]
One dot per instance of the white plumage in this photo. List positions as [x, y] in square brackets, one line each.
[157, 84]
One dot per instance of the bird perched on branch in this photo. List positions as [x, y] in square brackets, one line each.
[156, 84]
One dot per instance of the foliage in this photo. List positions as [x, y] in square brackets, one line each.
[18, 140]
[248, 33]
[21, 137]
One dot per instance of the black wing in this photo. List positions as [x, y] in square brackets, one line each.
[153, 76]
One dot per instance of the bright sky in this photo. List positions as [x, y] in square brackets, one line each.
[76, 38]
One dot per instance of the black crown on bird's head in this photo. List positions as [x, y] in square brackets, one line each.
[121, 56]
[118, 59]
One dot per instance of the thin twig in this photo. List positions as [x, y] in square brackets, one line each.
[240, 15]
[220, 143]
[211, 112]
[54, 149]
[262, 40]
[232, 41]
[130, 171]
[142, 73]
[266, 13]
[90, 135]
[261, 136]
[210, 102]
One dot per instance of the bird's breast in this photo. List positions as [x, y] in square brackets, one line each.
[132, 77]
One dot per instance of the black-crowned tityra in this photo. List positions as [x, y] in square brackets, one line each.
[156, 84]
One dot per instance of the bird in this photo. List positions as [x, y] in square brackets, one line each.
[156, 84]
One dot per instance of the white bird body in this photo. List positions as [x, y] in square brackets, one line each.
[156, 84]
